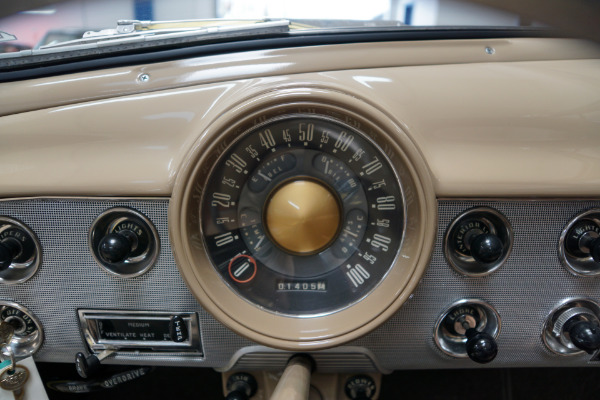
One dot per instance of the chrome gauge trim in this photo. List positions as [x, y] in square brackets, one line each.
[140, 264]
[497, 224]
[579, 266]
[21, 272]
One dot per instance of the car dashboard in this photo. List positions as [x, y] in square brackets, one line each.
[451, 142]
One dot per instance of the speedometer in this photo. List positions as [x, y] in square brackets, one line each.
[302, 215]
[303, 218]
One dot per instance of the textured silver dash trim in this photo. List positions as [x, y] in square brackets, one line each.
[524, 291]
[70, 279]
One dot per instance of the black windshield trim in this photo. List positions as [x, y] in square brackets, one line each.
[291, 40]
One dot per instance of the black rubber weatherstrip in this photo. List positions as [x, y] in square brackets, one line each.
[58, 67]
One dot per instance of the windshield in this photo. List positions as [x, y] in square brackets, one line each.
[47, 25]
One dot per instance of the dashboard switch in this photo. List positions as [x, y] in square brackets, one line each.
[124, 242]
[579, 244]
[115, 247]
[481, 347]
[20, 251]
[9, 249]
[469, 328]
[27, 333]
[585, 335]
[178, 329]
[241, 386]
[89, 366]
[573, 328]
[478, 241]
[486, 248]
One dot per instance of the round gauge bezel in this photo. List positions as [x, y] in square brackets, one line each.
[315, 331]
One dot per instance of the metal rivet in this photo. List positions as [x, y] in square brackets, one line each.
[144, 78]
[490, 50]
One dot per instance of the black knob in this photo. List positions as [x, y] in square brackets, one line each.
[237, 395]
[241, 386]
[9, 249]
[114, 247]
[481, 347]
[585, 335]
[86, 366]
[583, 240]
[486, 248]
[595, 250]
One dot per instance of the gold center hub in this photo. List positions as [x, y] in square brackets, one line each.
[302, 216]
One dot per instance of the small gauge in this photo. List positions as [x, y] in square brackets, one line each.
[351, 234]
[253, 233]
[360, 387]
[270, 170]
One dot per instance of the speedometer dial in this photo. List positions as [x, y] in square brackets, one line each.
[302, 215]
[302, 218]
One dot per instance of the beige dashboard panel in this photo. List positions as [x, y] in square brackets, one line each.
[104, 84]
[498, 129]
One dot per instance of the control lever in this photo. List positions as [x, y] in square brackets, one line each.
[474, 322]
[585, 335]
[294, 384]
[481, 347]
[486, 248]
[583, 240]
[116, 247]
[588, 244]
[9, 250]
[89, 366]
[241, 386]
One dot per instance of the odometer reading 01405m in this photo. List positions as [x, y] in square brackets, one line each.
[302, 215]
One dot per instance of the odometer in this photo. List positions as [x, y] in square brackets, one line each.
[302, 215]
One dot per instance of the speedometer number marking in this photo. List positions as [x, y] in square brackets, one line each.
[221, 199]
[237, 163]
[225, 238]
[380, 241]
[357, 274]
[343, 141]
[371, 167]
[306, 132]
[266, 139]
[385, 203]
